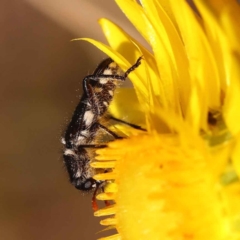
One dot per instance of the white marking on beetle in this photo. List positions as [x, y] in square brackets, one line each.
[110, 92]
[108, 71]
[103, 80]
[84, 133]
[78, 174]
[88, 117]
[82, 137]
[105, 103]
[81, 140]
[69, 152]
[63, 141]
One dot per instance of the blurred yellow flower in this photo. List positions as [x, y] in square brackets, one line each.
[179, 180]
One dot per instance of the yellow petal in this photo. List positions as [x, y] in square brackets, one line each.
[121, 109]
[232, 102]
[177, 51]
[129, 48]
[216, 38]
[167, 80]
[193, 116]
[110, 210]
[113, 237]
[236, 156]
[202, 65]
[108, 221]
[230, 20]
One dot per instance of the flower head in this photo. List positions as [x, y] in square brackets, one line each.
[180, 179]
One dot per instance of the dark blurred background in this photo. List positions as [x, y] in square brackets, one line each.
[41, 73]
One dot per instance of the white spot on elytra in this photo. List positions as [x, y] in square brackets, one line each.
[84, 132]
[81, 140]
[110, 92]
[82, 137]
[108, 72]
[88, 117]
[105, 103]
[78, 174]
[103, 80]
[69, 152]
[63, 141]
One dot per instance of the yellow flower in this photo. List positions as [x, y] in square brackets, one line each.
[179, 180]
